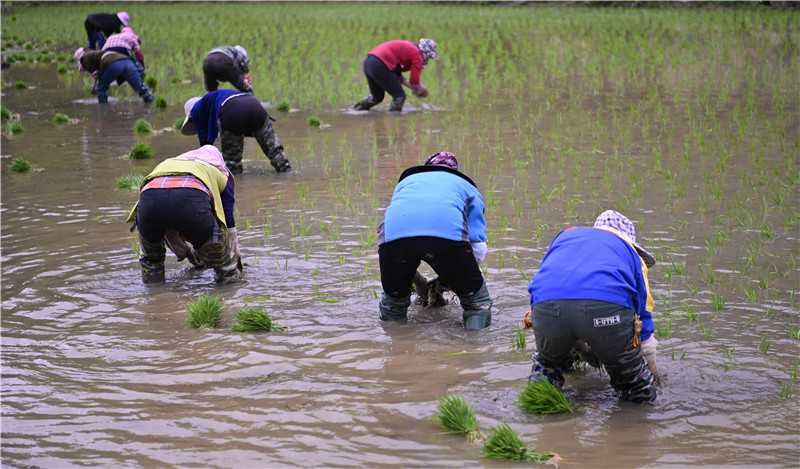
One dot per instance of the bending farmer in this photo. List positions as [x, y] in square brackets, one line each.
[384, 67]
[188, 197]
[128, 43]
[107, 66]
[99, 24]
[229, 64]
[234, 115]
[435, 214]
[592, 286]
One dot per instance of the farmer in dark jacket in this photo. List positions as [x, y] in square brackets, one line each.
[99, 24]
[229, 64]
[107, 66]
[233, 115]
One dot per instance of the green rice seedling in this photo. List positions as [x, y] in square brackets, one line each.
[141, 151]
[21, 85]
[129, 181]
[314, 122]
[542, 397]
[161, 102]
[719, 301]
[284, 105]
[519, 340]
[786, 390]
[178, 123]
[455, 415]
[504, 442]
[255, 319]
[731, 362]
[142, 127]
[664, 330]
[175, 79]
[151, 82]
[60, 118]
[5, 113]
[204, 312]
[793, 373]
[766, 341]
[15, 127]
[21, 165]
[62, 69]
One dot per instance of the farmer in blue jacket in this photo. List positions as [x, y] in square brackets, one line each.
[592, 288]
[435, 215]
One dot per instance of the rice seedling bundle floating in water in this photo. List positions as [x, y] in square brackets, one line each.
[284, 106]
[15, 127]
[140, 151]
[541, 397]
[314, 122]
[204, 312]
[21, 165]
[60, 118]
[455, 415]
[504, 442]
[255, 319]
[129, 181]
[142, 127]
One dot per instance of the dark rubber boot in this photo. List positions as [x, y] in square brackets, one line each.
[394, 309]
[477, 309]
[397, 104]
[271, 146]
[365, 104]
[232, 149]
[151, 260]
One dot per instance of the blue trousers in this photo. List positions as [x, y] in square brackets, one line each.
[121, 70]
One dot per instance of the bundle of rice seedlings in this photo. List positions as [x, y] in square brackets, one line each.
[541, 397]
[161, 102]
[60, 118]
[142, 127]
[140, 151]
[205, 312]
[255, 319]
[14, 127]
[21, 165]
[129, 181]
[178, 123]
[504, 442]
[314, 121]
[454, 415]
[284, 105]
[151, 82]
[5, 113]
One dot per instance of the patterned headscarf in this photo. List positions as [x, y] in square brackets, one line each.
[211, 155]
[428, 49]
[618, 222]
[443, 158]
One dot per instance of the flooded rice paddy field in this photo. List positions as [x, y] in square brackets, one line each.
[100, 370]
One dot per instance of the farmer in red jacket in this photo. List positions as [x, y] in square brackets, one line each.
[384, 68]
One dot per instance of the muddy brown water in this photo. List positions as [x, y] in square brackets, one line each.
[99, 370]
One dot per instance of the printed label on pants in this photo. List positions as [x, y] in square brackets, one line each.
[609, 321]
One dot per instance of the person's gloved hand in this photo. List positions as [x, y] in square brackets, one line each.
[479, 251]
[421, 91]
[649, 351]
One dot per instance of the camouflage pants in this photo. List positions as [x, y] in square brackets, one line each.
[213, 254]
[233, 148]
[607, 328]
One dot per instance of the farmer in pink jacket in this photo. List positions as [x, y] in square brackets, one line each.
[384, 68]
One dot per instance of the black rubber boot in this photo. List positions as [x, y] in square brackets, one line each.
[394, 309]
[477, 309]
[222, 259]
[271, 146]
[397, 104]
[365, 104]
[151, 260]
[232, 149]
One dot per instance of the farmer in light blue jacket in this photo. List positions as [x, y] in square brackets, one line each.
[436, 216]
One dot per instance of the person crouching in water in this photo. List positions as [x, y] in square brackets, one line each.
[234, 115]
[592, 287]
[107, 66]
[188, 197]
[435, 214]
[384, 67]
